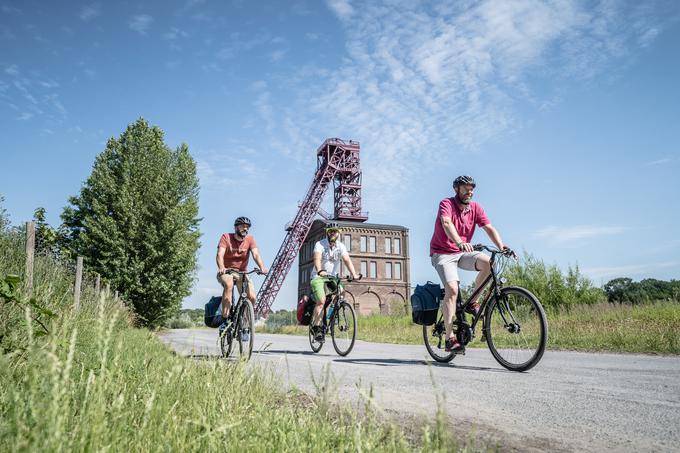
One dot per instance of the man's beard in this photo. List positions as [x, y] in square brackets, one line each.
[242, 234]
[462, 201]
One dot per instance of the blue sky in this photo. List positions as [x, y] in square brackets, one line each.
[566, 113]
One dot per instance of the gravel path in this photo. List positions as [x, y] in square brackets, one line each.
[569, 402]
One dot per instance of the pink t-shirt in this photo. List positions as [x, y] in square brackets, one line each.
[237, 252]
[464, 220]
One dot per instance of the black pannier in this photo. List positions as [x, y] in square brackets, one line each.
[425, 303]
[213, 312]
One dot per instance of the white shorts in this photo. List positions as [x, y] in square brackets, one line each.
[447, 265]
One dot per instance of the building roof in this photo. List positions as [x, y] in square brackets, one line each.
[345, 223]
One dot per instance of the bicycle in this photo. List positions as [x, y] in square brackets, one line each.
[514, 322]
[241, 321]
[339, 316]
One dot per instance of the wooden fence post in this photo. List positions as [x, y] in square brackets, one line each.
[108, 289]
[97, 284]
[115, 296]
[30, 253]
[79, 281]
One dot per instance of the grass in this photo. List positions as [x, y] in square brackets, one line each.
[95, 382]
[649, 328]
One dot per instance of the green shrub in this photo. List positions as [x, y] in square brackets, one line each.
[550, 285]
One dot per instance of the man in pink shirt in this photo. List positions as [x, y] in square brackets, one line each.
[450, 248]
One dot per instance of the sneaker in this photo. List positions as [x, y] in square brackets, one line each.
[245, 337]
[452, 345]
[473, 309]
[318, 334]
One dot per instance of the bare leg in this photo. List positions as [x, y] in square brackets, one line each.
[318, 309]
[228, 286]
[449, 306]
[484, 268]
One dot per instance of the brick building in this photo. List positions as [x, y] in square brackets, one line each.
[379, 252]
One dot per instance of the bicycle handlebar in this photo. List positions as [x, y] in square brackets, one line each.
[233, 271]
[494, 250]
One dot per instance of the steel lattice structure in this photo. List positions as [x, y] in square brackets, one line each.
[337, 161]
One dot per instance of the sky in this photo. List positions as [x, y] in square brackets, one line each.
[566, 113]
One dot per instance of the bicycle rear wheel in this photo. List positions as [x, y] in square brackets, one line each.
[516, 329]
[313, 342]
[344, 328]
[245, 330]
[434, 337]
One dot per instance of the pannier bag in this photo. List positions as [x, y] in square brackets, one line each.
[305, 310]
[425, 303]
[213, 312]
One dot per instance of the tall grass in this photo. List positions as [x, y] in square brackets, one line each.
[96, 383]
[648, 328]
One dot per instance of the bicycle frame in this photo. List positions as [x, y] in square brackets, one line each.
[495, 290]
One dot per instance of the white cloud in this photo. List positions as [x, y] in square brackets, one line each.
[429, 81]
[662, 161]
[141, 23]
[341, 8]
[627, 270]
[12, 70]
[175, 34]
[25, 116]
[90, 12]
[277, 55]
[575, 233]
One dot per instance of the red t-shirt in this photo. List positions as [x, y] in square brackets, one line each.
[464, 220]
[238, 252]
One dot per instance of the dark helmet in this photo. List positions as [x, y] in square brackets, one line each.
[461, 180]
[332, 226]
[242, 221]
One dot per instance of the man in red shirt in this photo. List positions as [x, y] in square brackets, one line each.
[450, 248]
[233, 252]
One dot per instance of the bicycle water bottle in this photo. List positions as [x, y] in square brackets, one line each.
[330, 312]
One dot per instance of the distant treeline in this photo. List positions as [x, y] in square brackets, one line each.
[625, 290]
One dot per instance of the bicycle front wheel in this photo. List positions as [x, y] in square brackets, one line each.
[246, 330]
[516, 329]
[434, 337]
[344, 328]
[226, 342]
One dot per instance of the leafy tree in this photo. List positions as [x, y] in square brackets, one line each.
[46, 239]
[4, 217]
[618, 289]
[135, 221]
[647, 290]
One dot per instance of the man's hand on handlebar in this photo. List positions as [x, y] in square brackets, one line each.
[354, 277]
[466, 247]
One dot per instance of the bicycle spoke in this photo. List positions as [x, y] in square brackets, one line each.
[516, 329]
[434, 337]
[343, 328]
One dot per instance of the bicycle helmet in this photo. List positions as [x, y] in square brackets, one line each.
[332, 226]
[242, 221]
[464, 179]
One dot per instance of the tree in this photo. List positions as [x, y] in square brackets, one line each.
[4, 217]
[619, 289]
[46, 241]
[135, 221]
